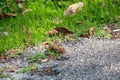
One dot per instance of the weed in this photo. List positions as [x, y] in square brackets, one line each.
[103, 33]
[29, 68]
[36, 56]
[52, 54]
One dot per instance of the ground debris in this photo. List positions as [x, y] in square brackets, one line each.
[58, 31]
[71, 10]
[91, 31]
[63, 30]
[11, 70]
[4, 57]
[89, 34]
[57, 49]
[14, 51]
[62, 58]
[84, 35]
[52, 32]
[115, 33]
[20, 5]
[4, 34]
[49, 71]
[107, 29]
[26, 10]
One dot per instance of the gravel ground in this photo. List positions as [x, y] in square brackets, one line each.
[85, 59]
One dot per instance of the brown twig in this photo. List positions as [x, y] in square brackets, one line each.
[11, 14]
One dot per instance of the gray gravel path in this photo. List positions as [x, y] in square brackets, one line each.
[85, 59]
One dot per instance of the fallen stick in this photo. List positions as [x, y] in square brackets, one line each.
[116, 30]
[11, 14]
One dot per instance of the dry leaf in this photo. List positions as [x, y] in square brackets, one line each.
[63, 30]
[4, 57]
[44, 60]
[4, 34]
[33, 71]
[45, 44]
[52, 32]
[47, 70]
[28, 45]
[68, 35]
[59, 30]
[58, 49]
[12, 69]
[84, 35]
[71, 10]
[91, 31]
[20, 5]
[107, 29]
[115, 35]
[14, 51]
[7, 14]
[89, 34]
[49, 56]
[62, 58]
[118, 17]
[25, 11]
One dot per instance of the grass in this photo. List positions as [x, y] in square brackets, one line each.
[44, 15]
[36, 56]
[53, 53]
[29, 68]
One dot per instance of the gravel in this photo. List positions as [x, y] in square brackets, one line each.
[85, 59]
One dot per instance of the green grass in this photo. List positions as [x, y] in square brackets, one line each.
[52, 53]
[29, 68]
[43, 16]
[36, 56]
